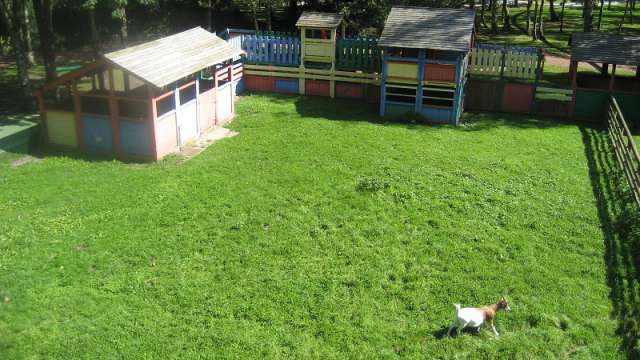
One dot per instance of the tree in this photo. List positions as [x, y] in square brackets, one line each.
[506, 25]
[494, 16]
[562, 15]
[600, 14]
[553, 16]
[528, 23]
[587, 15]
[12, 13]
[43, 11]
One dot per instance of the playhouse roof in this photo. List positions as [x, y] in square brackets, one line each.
[164, 61]
[605, 48]
[319, 19]
[428, 28]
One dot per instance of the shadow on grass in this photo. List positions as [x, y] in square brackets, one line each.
[620, 221]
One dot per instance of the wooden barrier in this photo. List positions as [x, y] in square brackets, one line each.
[273, 50]
[360, 53]
[625, 147]
[513, 62]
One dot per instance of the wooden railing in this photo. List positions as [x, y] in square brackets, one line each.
[625, 147]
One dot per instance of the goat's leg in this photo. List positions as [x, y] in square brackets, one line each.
[453, 326]
[493, 327]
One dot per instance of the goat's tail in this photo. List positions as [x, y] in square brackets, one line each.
[457, 307]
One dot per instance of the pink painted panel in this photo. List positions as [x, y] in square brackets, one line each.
[207, 109]
[223, 104]
[166, 139]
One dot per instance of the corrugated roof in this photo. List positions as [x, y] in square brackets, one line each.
[164, 61]
[605, 48]
[319, 19]
[428, 28]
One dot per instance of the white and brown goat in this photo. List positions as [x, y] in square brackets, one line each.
[476, 317]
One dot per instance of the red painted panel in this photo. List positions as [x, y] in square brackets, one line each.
[260, 83]
[207, 109]
[517, 98]
[440, 72]
[316, 87]
[349, 90]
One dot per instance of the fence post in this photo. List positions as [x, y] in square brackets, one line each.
[501, 83]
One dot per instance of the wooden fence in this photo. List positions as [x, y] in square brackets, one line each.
[271, 50]
[625, 147]
[360, 53]
[513, 62]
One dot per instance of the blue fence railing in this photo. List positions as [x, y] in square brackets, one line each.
[272, 50]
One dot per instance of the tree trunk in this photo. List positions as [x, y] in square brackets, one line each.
[254, 13]
[562, 15]
[494, 16]
[600, 14]
[12, 12]
[587, 15]
[624, 15]
[534, 29]
[293, 9]
[209, 15]
[26, 31]
[95, 40]
[528, 24]
[124, 31]
[482, 8]
[268, 10]
[553, 16]
[506, 20]
[541, 21]
[43, 12]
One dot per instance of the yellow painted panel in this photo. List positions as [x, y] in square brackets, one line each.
[403, 70]
[321, 50]
[61, 128]
[118, 79]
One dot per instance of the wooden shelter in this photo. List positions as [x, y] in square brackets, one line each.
[145, 101]
[318, 33]
[425, 52]
[591, 92]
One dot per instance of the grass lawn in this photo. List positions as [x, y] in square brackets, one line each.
[313, 233]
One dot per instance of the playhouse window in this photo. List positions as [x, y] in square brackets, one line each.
[166, 105]
[403, 52]
[94, 105]
[132, 109]
[187, 94]
[318, 34]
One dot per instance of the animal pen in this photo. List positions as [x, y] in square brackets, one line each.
[145, 101]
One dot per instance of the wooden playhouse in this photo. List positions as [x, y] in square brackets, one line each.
[591, 92]
[145, 101]
[425, 55]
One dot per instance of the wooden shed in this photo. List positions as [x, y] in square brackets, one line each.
[425, 52]
[145, 101]
[591, 91]
[318, 33]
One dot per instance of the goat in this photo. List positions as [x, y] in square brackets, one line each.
[475, 317]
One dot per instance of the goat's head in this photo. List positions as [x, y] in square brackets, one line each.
[504, 304]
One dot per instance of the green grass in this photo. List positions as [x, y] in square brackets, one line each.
[313, 233]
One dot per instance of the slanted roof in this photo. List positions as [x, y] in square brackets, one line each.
[605, 48]
[164, 61]
[428, 28]
[316, 19]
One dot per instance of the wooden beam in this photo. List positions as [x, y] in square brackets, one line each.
[43, 117]
[612, 79]
[77, 114]
[113, 112]
[152, 114]
[70, 76]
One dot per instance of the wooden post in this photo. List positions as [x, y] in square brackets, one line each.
[215, 96]
[197, 89]
[573, 74]
[605, 69]
[332, 82]
[612, 79]
[230, 72]
[456, 94]
[43, 117]
[383, 79]
[77, 114]
[152, 114]
[419, 89]
[113, 111]
[176, 99]
[501, 83]
[537, 81]
[301, 68]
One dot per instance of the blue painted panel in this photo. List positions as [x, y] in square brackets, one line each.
[436, 114]
[96, 132]
[287, 86]
[134, 137]
[398, 110]
[238, 85]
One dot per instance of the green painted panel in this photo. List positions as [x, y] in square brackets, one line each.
[318, 50]
[630, 106]
[397, 110]
[403, 70]
[591, 105]
[61, 128]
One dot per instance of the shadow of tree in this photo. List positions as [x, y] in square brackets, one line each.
[620, 221]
